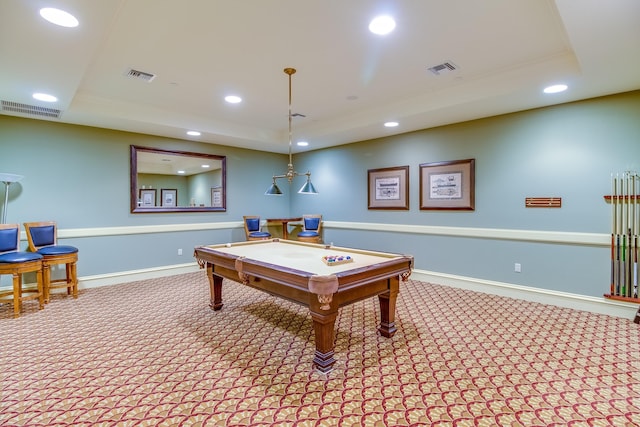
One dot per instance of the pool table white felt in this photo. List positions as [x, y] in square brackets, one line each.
[303, 256]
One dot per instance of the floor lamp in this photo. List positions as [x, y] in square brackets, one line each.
[8, 179]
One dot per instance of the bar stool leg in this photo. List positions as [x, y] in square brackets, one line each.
[46, 278]
[74, 276]
[40, 281]
[17, 294]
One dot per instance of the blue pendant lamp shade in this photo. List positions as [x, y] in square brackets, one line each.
[308, 187]
[274, 190]
[8, 179]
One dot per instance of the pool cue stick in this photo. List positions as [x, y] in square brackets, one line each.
[628, 265]
[621, 238]
[627, 231]
[635, 235]
[631, 256]
[616, 244]
[629, 240]
[625, 220]
[618, 213]
[613, 238]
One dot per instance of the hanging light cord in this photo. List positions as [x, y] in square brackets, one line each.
[291, 173]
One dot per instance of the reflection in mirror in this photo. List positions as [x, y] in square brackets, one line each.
[177, 181]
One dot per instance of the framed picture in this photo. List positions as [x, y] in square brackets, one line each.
[169, 197]
[216, 197]
[147, 198]
[448, 185]
[389, 188]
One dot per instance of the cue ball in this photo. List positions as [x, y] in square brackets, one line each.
[228, 245]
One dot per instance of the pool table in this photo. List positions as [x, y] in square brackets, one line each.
[305, 273]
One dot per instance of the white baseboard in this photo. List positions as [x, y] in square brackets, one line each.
[135, 275]
[598, 305]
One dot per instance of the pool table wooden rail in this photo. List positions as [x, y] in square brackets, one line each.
[355, 284]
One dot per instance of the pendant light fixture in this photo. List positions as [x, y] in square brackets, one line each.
[308, 187]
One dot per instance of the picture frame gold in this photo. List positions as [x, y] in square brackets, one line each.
[448, 185]
[388, 188]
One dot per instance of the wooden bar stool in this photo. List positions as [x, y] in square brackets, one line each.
[253, 229]
[311, 229]
[15, 262]
[43, 239]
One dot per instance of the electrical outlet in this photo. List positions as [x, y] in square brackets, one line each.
[179, 251]
[517, 267]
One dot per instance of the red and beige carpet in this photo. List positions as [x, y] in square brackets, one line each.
[152, 353]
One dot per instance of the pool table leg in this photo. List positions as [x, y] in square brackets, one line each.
[387, 301]
[215, 289]
[323, 325]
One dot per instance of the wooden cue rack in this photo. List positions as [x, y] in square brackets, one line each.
[623, 200]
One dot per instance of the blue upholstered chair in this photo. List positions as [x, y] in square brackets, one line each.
[311, 229]
[253, 229]
[16, 262]
[43, 239]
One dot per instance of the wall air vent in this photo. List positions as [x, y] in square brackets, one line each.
[140, 75]
[32, 110]
[445, 67]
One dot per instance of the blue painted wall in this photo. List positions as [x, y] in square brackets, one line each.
[79, 176]
[566, 151]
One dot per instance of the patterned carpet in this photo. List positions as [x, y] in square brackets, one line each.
[152, 353]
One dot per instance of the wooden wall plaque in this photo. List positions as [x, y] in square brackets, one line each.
[543, 202]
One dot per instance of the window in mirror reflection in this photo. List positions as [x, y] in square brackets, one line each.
[184, 181]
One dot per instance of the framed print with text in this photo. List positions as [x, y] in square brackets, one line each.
[169, 197]
[216, 197]
[448, 185]
[147, 198]
[388, 188]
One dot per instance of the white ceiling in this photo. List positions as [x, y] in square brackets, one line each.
[348, 81]
[174, 163]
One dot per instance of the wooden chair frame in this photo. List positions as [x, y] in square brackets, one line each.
[70, 280]
[18, 293]
[247, 232]
[312, 239]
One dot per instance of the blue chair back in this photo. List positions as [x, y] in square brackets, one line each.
[253, 224]
[311, 224]
[43, 236]
[9, 238]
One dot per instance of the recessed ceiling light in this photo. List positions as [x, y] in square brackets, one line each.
[44, 97]
[302, 143]
[382, 25]
[193, 133]
[205, 166]
[233, 99]
[555, 88]
[391, 124]
[59, 17]
[181, 172]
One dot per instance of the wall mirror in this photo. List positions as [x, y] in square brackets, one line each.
[177, 181]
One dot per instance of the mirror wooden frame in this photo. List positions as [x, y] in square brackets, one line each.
[136, 208]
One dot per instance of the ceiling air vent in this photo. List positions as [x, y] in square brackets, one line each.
[445, 67]
[32, 110]
[140, 75]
